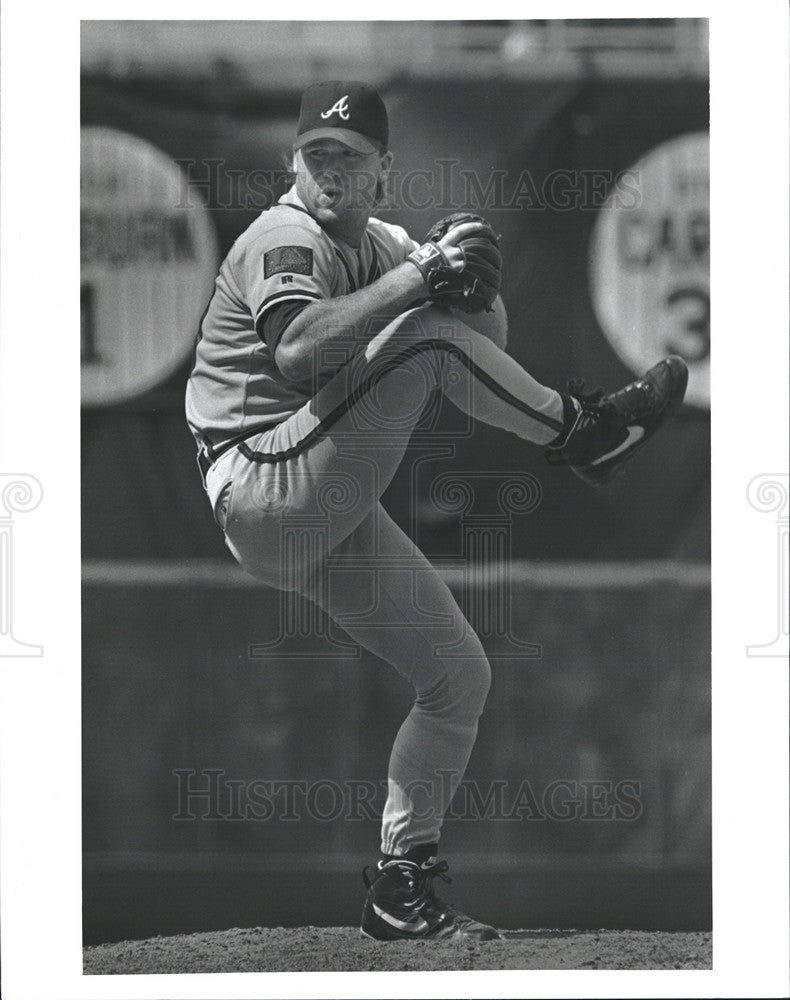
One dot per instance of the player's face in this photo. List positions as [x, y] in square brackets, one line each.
[338, 185]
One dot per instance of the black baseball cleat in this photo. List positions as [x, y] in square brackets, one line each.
[608, 430]
[402, 906]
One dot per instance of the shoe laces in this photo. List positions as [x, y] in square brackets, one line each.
[438, 870]
[593, 404]
[423, 877]
[587, 399]
[444, 909]
[427, 893]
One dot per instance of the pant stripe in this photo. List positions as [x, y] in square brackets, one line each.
[372, 380]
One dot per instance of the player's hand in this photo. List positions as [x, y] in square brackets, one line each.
[449, 243]
[461, 263]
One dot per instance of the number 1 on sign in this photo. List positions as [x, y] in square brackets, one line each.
[89, 355]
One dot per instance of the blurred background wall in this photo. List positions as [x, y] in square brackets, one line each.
[585, 143]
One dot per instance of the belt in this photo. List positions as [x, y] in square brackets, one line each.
[204, 464]
[208, 454]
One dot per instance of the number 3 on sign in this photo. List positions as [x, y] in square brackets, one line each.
[693, 342]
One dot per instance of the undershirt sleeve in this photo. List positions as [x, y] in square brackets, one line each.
[273, 323]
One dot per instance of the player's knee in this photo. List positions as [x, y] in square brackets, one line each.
[461, 692]
[427, 324]
[475, 685]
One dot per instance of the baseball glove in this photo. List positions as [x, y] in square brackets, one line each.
[475, 287]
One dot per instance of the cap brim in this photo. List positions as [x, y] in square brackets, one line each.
[355, 141]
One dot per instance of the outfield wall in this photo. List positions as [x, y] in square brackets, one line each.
[590, 779]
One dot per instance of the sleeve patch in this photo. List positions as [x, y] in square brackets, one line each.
[294, 260]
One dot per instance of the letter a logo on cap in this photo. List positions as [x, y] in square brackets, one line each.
[341, 107]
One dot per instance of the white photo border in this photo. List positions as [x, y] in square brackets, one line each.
[40, 433]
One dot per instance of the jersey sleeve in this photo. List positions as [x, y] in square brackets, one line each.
[286, 262]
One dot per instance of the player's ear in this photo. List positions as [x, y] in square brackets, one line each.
[386, 163]
[384, 169]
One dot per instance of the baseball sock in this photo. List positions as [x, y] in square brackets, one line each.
[419, 854]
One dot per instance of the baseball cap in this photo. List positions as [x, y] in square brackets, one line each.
[345, 110]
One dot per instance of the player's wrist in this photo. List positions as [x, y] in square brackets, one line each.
[427, 258]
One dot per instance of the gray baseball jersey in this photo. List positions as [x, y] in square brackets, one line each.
[284, 256]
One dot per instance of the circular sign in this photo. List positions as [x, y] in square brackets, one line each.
[650, 261]
[148, 262]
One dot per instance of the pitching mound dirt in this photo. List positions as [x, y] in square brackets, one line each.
[342, 949]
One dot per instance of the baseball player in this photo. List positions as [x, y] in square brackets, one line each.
[327, 334]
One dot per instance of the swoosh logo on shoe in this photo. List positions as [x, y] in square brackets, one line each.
[415, 926]
[635, 434]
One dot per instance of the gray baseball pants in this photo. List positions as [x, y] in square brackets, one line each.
[300, 508]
